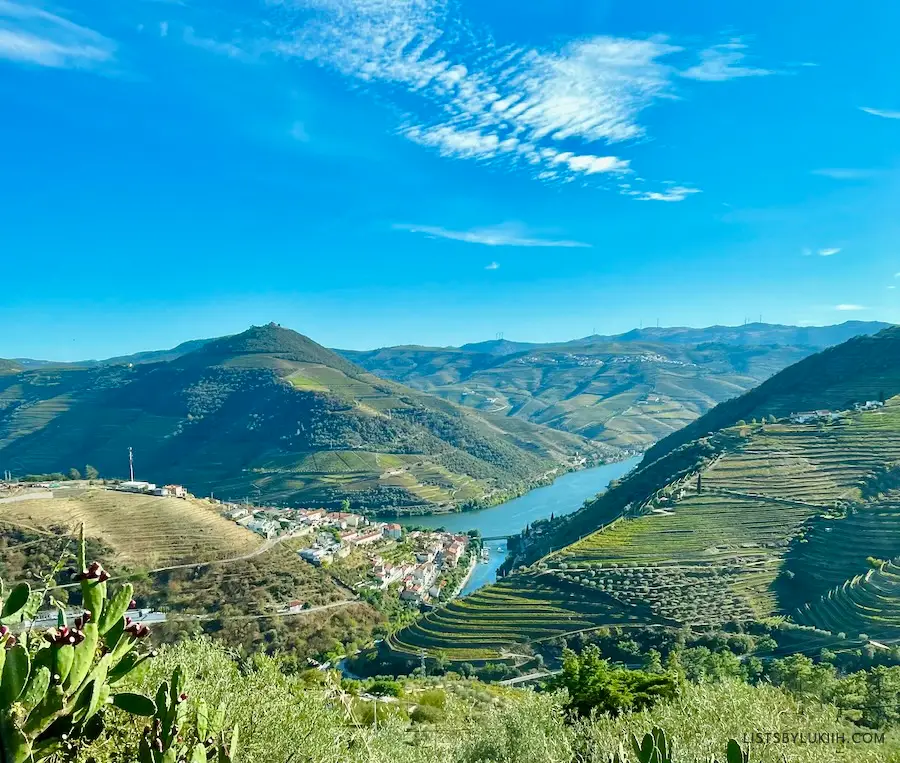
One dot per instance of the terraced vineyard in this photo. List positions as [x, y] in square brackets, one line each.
[867, 604]
[784, 522]
[494, 619]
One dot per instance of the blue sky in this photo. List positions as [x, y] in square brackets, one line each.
[376, 172]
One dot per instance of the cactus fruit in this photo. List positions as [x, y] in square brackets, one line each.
[52, 689]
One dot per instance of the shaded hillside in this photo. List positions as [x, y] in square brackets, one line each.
[271, 414]
[863, 368]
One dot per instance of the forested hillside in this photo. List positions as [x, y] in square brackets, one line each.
[271, 414]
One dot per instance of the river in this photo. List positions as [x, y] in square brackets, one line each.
[564, 496]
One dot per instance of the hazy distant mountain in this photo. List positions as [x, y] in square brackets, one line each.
[628, 390]
[150, 356]
[756, 334]
[270, 413]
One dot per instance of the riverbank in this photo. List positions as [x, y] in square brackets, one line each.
[462, 583]
[564, 496]
[401, 514]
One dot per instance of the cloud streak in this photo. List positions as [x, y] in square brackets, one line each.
[828, 252]
[674, 193]
[838, 173]
[881, 113]
[850, 308]
[31, 35]
[507, 234]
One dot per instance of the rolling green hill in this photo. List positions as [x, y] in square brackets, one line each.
[627, 391]
[269, 413]
[754, 521]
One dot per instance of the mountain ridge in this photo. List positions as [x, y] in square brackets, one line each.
[269, 412]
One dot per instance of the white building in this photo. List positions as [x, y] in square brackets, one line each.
[265, 527]
[137, 487]
[317, 555]
[235, 514]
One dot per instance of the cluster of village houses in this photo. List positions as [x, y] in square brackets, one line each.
[805, 417]
[337, 534]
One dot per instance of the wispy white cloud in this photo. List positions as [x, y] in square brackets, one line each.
[724, 62]
[228, 49]
[881, 113]
[507, 234]
[892, 287]
[674, 193]
[31, 35]
[163, 28]
[551, 112]
[850, 307]
[828, 252]
[846, 173]
[492, 266]
[298, 132]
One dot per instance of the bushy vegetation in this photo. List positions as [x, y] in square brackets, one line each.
[315, 718]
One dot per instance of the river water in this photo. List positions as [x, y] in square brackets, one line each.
[564, 496]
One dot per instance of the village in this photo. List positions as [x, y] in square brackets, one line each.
[418, 562]
[414, 560]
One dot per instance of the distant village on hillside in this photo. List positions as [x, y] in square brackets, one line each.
[336, 534]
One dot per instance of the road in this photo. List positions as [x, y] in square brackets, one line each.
[48, 619]
[529, 677]
[266, 546]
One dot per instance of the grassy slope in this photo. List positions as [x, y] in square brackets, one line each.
[271, 413]
[279, 714]
[768, 534]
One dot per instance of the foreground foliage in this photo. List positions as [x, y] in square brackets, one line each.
[311, 718]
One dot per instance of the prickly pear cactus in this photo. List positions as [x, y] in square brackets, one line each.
[734, 753]
[178, 735]
[54, 684]
[654, 748]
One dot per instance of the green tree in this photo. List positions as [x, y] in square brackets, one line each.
[594, 685]
[91, 473]
[74, 474]
[345, 506]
